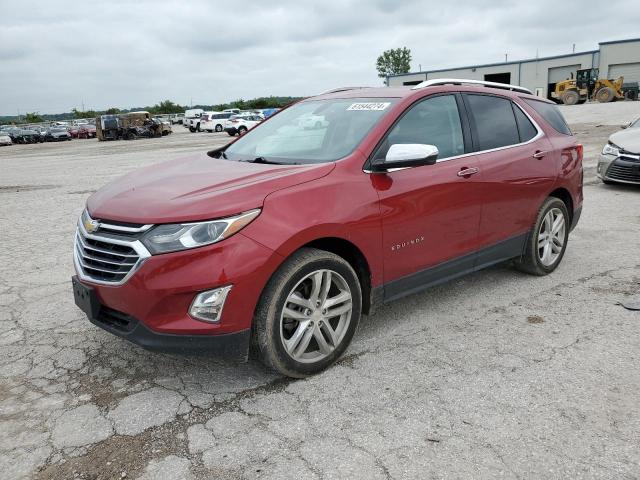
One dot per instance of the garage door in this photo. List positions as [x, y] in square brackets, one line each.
[558, 74]
[630, 71]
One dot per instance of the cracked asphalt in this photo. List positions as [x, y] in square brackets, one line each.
[495, 375]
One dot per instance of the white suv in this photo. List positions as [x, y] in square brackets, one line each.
[192, 119]
[241, 124]
[214, 121]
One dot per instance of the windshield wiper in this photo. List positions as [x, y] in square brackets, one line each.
[266, 161]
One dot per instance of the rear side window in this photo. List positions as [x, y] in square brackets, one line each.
[434, 121]
[551, 114]
[525, 127]
[495, 123]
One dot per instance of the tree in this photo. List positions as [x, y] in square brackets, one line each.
[112, 111]
[86, 114]
[33, 117]
[393, 62]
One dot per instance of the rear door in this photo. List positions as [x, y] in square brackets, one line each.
[518, 171]
[430, 214]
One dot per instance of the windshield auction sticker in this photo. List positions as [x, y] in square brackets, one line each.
[369, 106]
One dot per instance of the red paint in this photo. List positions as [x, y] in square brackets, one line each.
[402, 221]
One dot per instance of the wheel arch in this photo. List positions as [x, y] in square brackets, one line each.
[564, 195]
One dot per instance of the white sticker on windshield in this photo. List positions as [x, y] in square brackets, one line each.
[369, 106]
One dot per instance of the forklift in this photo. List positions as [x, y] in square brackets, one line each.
[587, 86]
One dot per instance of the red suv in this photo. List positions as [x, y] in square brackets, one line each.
[281, 240]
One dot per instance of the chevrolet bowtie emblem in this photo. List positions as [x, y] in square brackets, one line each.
[91, 225]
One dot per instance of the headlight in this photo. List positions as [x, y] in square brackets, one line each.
[611, 149]
[181, 236]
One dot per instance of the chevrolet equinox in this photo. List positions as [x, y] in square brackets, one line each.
[281, 240]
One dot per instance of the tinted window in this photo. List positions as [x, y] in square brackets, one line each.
[525, 127]
[434, 121]
[551, 114]
[494, 121]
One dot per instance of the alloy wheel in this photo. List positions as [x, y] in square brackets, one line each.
[551, 237]
[316, 316]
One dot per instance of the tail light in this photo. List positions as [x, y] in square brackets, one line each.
[580, 152]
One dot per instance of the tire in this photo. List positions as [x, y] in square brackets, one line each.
[198, 128]
[570, 97]
[242, 130]
[192, 129]
[231, 134]
[218, 128]
[322, 339]
[605, 95]
[533, 260]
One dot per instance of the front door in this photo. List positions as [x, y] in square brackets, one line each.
[430, 214]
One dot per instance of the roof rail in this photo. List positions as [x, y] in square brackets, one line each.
[340, 89]
[460, 81]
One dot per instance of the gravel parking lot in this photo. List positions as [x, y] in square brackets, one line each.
[498, 374]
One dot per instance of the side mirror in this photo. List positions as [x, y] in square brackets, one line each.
[403, 155]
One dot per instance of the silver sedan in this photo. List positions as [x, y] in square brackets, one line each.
[619, 161]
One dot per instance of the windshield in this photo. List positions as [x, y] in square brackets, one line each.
[635, 123]
[312, 131]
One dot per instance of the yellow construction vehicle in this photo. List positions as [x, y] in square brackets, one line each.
[587, 86]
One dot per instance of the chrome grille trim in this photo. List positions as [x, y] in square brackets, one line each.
[92, 262]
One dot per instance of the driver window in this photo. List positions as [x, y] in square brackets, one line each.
[434, 121]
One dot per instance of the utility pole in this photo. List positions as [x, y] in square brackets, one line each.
[574, 48]
[506, 57]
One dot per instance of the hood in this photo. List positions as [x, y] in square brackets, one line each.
[195, 188]
[628, 140]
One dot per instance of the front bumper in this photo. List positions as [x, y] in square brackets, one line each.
[622, 169]
[230, 345]
[157, 296]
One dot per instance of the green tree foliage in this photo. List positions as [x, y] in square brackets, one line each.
[86, 114]
[393, 62]
[112, 111]
[166, 106]
[33, 117]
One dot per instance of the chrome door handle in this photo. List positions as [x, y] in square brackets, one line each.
[538, 155]
[467, 172]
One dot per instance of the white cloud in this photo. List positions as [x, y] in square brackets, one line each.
[56, 55]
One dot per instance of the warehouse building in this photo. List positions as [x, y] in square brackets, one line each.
[616, 58]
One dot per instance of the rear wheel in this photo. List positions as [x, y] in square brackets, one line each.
[218, 128]
[605, 94]
[242, 130]
[570, 97]
[308, 313]
[547, 241]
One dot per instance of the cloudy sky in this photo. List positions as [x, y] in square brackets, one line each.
[55, 55]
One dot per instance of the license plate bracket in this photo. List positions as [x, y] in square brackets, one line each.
[85, 298]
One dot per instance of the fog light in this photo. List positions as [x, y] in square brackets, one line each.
[207, 306]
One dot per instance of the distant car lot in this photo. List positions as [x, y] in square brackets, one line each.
[494, 375]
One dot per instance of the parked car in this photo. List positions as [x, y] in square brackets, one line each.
[241, 124]
[176, 118]
[233, 111]
[619, 161]
[24, 135]
[5, 139]
[74, 130]
[164, 125]
[283, 238]
[213, 121]
[192, 119]
[86, 130]
[57, 134]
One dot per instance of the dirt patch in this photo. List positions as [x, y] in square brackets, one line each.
[535, 319]
[25, 188]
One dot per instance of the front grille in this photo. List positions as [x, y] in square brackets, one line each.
[103, 260]
[624, 172]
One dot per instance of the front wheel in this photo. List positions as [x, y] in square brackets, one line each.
[547, 241]
[218, 128]
[308, 313]
[242, 130]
